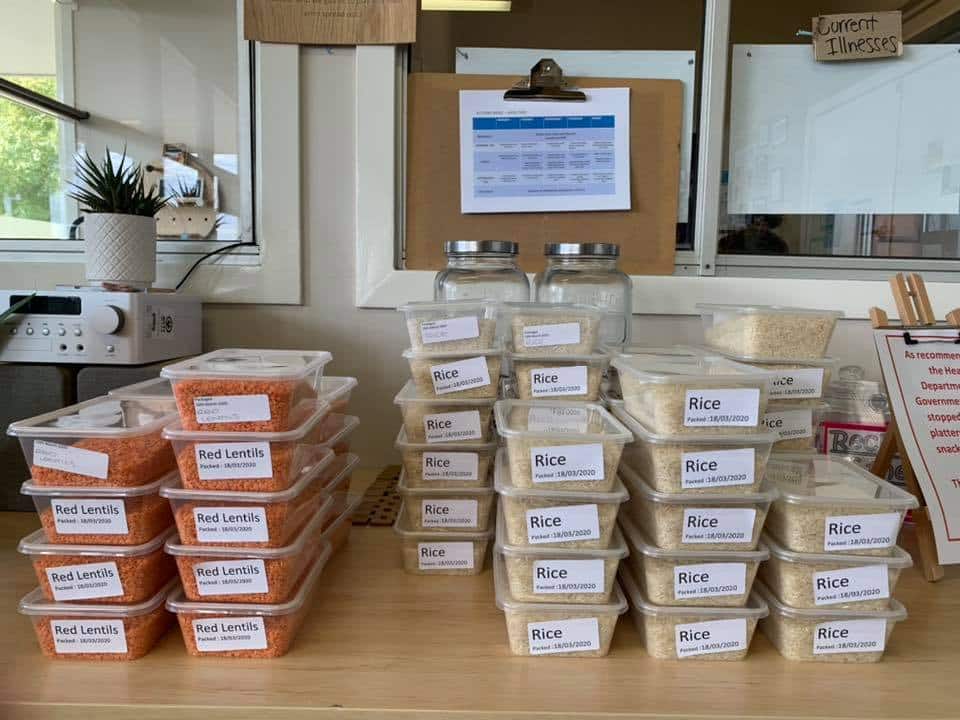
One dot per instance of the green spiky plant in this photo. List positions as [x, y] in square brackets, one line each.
[109, 188]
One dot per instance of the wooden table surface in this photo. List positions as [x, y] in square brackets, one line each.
[380, 643]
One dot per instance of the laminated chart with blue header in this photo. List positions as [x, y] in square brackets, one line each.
[542, 156]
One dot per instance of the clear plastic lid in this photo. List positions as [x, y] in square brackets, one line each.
[895, 612]
[558, 420]
[899, 559]
[503, 484]
[408, 394]
[401, 527]
[411, 354]
[765, 310]
[345, 516]
[439, 492]
[106, 417]
[643, 435]
[34, 604]
[639, 543]
[594, 359]
[157, 388]
[29, 488]
[349, 424]
[348, 464]
[616, 605]
[825, 363]
[304, 427]
[756, 607]
[670, 366]
[36, 544]
[568, 311]
[616, 551]
[402, 444]
[639, 488]
[237, 363]
[332, 388]
[450, 308]
[809, 479]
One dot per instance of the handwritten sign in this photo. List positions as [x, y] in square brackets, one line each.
[331, 22]
[858, 36]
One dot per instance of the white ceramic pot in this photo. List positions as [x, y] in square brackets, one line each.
[120, 249]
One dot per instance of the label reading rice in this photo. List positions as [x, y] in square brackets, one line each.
[572, 420]
[718, 468]
[226, 461]
[553, 577]
[445, 555]
[449, 513]
[790, 424]
[85, 582]
[856, 584]
[451, 466]
[562, 463]
[849, 636]
[709, 580]
[70, 459]
[860, 532]
[722, 408]
[229, 633]
[74, 637]
[231, 524]
[231, 408]
[450, 427]
[461, 328]
[714, 636]
[547, 335]
[718, 525]
[563, 636]
[92, 516]
[460, 375]
[231, 577]
[558, 381]
[563, 524]
[796, 384]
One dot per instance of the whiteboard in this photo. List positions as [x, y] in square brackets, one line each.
[877, 136]
[652, 64]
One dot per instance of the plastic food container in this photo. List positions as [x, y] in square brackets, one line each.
[704, 522]
[77, 631]
[829, 634]
[768, 331]
[566, 376]
[552, 629]
[711, 578]
[448, 509]
[553, 328]
[336, 481]
[456, 326]
[795, 424]
[453, 374]
[561, 445]
[101, 442]
[679, 392]
[684, 633]
[440, 552]
[336, 527]
[557, 518]
[336, 431]
[716, 464]
[794, 380]
[246, 630]
[828, 504]
[249, 575]
[100, 516]
[245, 390]
[336, 392]
[559, 575]
[455, 465]
[156, 393]
[450, 420]
[99, 573]
[246, 519]
[833, 580]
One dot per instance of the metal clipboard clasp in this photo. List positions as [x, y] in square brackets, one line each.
[546, 82]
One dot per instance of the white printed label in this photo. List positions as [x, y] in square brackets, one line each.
[449, 513]
[70, 459]
[558, 381]
[856, 584]
[461, 328]
[796, 384]
[568, 523]
[85, 582]
[718, 468]
[231, 524]
[91, 516]
[850, 636]
[231, 408]
[709, 580]
[706, 638]
[229, 633]
[722, 408]
[226, 461]
[564, 463]
[571, 420]
[860, 532]
[790, 424]
[553, 577]
[718, 525]
[451, 466]
[548, 335]
[231, 577]
[74, 637]
[460, 375]
[450, 427]
[563, 636]
[445, 555]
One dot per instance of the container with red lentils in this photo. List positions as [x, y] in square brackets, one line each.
[155, 393]
[336, 431]
[337, 486]
[102, 442]
[336, 392]
[245, 390]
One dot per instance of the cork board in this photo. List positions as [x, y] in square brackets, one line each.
[331, 22]
[646, 233]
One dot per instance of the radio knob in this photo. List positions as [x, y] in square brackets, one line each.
[107, 320]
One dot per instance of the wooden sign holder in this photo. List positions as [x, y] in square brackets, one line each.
[916, 313]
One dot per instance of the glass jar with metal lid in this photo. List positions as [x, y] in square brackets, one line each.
[587, 273]
[481, 269]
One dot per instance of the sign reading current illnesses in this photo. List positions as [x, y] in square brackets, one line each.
[858, 36]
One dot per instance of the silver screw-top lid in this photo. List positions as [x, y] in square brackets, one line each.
[591, 249]
[463, 247]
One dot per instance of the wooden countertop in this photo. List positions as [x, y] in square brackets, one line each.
[382, 643]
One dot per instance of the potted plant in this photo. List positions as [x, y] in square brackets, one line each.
[119, 229]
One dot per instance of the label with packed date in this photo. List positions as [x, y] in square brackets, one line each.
[231, 577]
[713, 636]
[85, 582]
[450, 466]
[850, 636]
[231, 524]
[461, 328]
[450, 427]
[445, 555]
[563, 636]
[558, 381]
[75, 637]
[860, 532]
[460, 375]
[564, 463]
[231, 461]
[722, 408]
[567, 523]
[709, 580]
[717, 468]
[553, 577]
[448, 513]
[229, 633]
[855, 584]
[547, 335]
[93, 516]
[718, 525]
[67, 458]
[231, 408]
